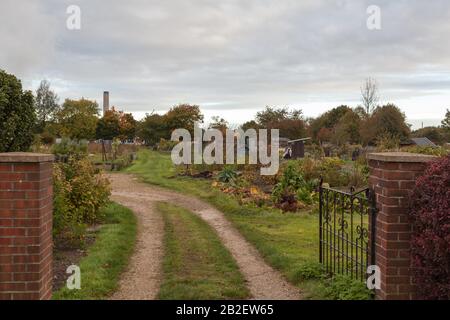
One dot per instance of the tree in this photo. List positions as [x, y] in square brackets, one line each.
[271, 115]
[446, 121]
[327, 120]
[108, 127]
[435, 134]
[250, 125]
[116, 124]
[127, 126]
[153, 128]
[361, 112]
[77, 119]
[347, 129]
[183, 116]
[369, 94]
[46, 104]
[324, 135]
[17, 115]
[387, 120]
[290, 128]
[219, 123]
[333, 116]
[290, 123]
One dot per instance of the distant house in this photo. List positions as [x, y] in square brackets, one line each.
[421, 142]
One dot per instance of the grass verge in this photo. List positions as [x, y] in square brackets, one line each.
[289, 242]
[196, 264]
[106, 258]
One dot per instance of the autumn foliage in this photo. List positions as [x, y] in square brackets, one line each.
[116, 124]
[430, 213]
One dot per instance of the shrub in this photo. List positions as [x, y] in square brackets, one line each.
[433, 151]
[70, 148]
[121, 163]
[47, 138]
[330, 169]
[228, 174]
[65, 222]
[388, 142]
[291, 188]
[90, 189]
[314, 151]
[36, 145]
[341, 287]
[344, 151]
[290, 181]
[80, 192]
[310, 270]
[430, 243]
[356, 175]
[166, 145]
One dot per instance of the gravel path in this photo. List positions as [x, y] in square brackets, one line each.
[142, 279]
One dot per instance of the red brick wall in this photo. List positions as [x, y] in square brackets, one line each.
[25, 226]
[392, 176]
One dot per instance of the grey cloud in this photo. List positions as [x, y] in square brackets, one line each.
[27, 36]
[230, 54]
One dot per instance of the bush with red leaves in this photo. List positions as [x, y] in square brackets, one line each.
[430, 246]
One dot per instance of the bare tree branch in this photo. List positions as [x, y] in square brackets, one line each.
[369, 94]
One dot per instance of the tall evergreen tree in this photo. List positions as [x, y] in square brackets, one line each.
[17, 115]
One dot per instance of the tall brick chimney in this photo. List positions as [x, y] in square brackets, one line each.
[105, 101]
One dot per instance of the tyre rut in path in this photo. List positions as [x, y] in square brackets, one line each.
[143, 276]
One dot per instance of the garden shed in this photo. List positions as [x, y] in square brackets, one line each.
[298, 147]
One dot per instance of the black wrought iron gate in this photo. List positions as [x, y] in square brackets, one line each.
[347, 231]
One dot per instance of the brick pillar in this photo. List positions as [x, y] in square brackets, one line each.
[26, 199]
[392, 176]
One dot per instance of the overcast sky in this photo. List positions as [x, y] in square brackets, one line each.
[233, 57]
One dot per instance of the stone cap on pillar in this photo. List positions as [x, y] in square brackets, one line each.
[26, 157]
[400, 157]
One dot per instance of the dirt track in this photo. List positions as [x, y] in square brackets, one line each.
[143, 276]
